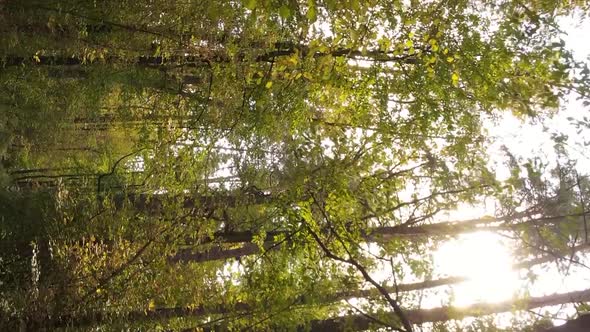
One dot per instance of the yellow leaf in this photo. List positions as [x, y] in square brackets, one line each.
[294, 59]
[433, 45]
[268, 84]
[446, 51]
[409, 43]
[151, 305]
[455, 79]
[450, 59]
[98, 291]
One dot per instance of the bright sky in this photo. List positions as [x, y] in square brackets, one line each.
[484, 256]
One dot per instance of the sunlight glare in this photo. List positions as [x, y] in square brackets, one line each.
[485, 261]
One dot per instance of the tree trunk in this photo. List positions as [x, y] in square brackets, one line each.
[442, 314]
[425, 315]
[200, 60]
[156, 204]
[352, 322]
[580, 324]
[378, 234]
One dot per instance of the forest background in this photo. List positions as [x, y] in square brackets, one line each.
[287, 165]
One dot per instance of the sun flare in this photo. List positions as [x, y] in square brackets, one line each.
[485, 261]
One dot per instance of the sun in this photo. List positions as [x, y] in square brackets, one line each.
[485, 261]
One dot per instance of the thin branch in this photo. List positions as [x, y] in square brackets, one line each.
[393, 303]
[370, 317]
[99, 179]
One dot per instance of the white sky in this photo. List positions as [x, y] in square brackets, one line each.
[483, 256]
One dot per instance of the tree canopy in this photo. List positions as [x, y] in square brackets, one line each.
[278, 165]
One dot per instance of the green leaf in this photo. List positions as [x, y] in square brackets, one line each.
[285, 11]
[250, 4]
[311, 11]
